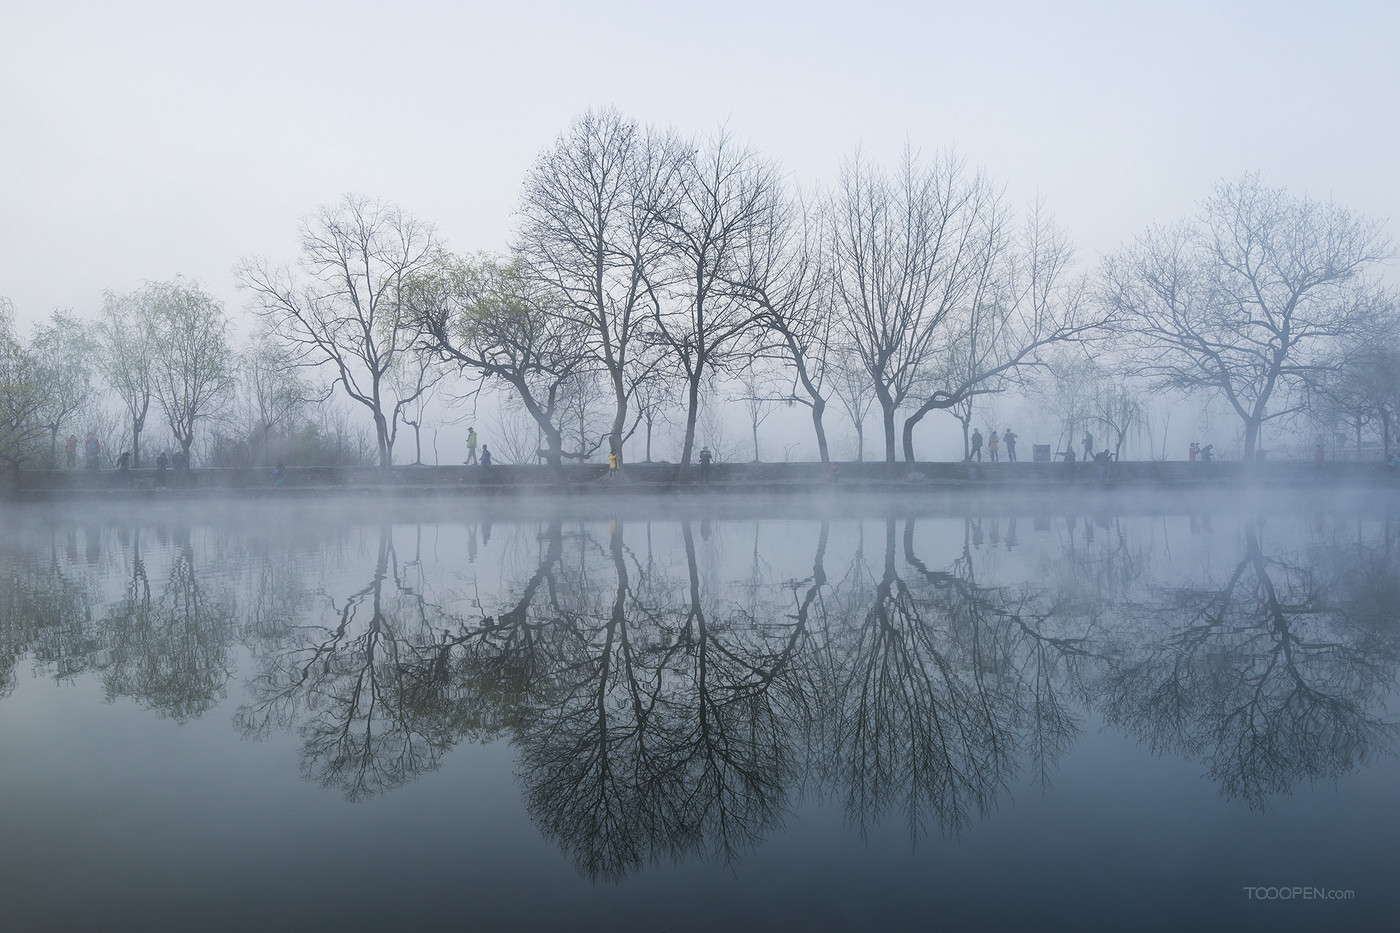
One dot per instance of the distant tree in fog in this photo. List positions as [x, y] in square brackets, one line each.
[1250, 300]
[22, 395]
[856, 396]
[590, 237]
[192, 361]
[1366, 391]
[274, 393]
[345, 309]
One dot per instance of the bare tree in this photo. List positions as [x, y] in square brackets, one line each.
[757, 393]
[783, 274]
[413, 377]
[723, 195]
[346, 308]
[1019, 298]
[192, 364]
[1250, 300]
[590, 218]
[905, 249]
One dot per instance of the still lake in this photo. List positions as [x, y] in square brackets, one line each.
[1078, 713]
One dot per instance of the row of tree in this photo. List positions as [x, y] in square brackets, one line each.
[647, 266]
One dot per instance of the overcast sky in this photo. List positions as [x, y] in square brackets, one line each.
[141, 140]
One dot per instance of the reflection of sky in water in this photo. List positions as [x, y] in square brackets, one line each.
[182, 799]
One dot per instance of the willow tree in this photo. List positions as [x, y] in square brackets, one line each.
[191, 359]
[491, 321]
[125, 357]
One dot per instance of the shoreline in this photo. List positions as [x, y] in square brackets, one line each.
[737, 489]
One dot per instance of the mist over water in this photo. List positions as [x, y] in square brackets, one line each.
[1084, 713]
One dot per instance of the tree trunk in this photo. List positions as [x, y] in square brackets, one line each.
[818, 409]
[909, 424]
[887, 421]
[691, 414]
[138, 421]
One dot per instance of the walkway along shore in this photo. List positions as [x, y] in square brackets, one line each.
[665, 479]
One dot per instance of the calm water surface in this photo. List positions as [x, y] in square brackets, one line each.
[1050, 715]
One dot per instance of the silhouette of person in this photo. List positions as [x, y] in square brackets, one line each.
[976, 446]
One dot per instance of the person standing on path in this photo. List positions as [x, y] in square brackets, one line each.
[992, 442]
[471, 445]
[976, 446]
[705, 458]
[1088, 447]
[1009, 437]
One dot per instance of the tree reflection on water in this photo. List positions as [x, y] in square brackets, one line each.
[678, 701]
[1271, 677]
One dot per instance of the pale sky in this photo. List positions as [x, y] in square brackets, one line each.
[142, 140]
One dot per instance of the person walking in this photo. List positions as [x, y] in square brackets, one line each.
[1008, 437]
[1088, 447]
[976, 446]
[471, 445]
[992, 443]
